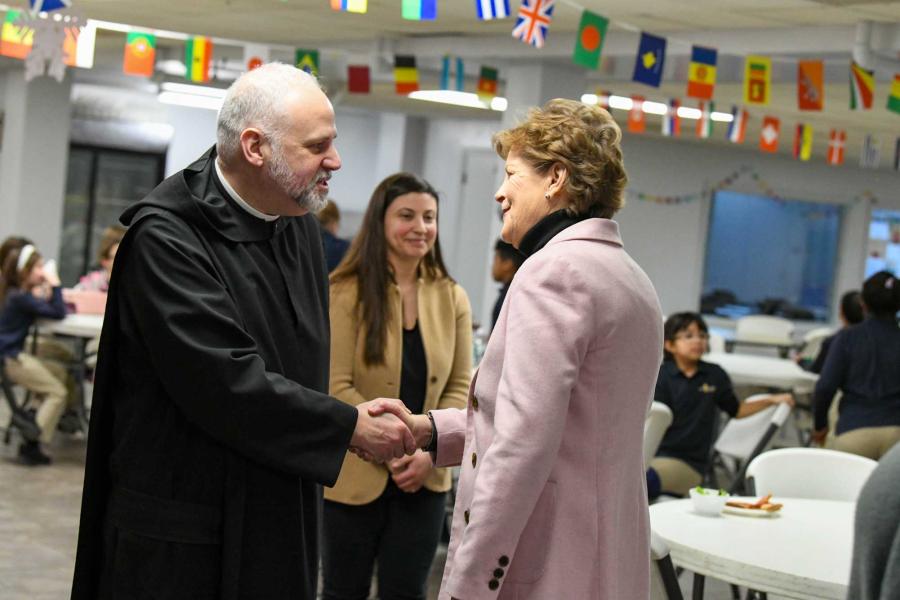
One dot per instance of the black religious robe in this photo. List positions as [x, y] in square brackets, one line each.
[211, 428]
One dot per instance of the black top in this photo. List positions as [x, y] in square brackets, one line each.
[501, 296]
[414, 375]
[545, 230]
[864, 363]
[19, 312]
[694, 402]
[211, 416]
[819, 363]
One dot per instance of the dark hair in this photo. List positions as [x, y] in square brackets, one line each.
[852, 308]
[881, 293]
[13, 242]
[367, 261]
[508, 252]
[10, 276]
[679, 322]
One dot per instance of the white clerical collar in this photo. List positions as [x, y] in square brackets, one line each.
[240, 201]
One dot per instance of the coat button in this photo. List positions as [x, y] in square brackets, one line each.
[433, 379]
[474, 459]
[493, 584]
[474, 403]
[503, 560]
[466, 517]
[498, 573]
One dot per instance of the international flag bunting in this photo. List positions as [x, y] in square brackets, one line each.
[651, 58]
[406, 76]
[140, 54]
[862, 87]
[768, 136]
[255, 56]
[354, 6]
[419, 10]
[893, 102]
[603, 98]
[15, 40]
[836, 143]
[737, 129]
[458, 72]
[637, 122]
[757, 80]
[488, 10]
[590, 38]
[704, 123]
[870, 156]
[702, 73]
[534, 21]
[803, 139]
[48, 5]
[487, 84]
[358, 79]
[197, 56]
[810, 84]
[307, 60]
[897, 154]
[671, 122]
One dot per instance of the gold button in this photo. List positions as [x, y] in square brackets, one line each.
[474, 403]
[474, 459]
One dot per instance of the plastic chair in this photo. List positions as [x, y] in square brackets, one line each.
[663, 579]
[658, 420]
[716, 343]
[763, 329]
[810, 473]
[812, 342]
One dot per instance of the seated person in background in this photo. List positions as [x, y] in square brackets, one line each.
[335, 247]
[23, 274]
[98, 280]
[13, 242]
[851, 313]
[695, 391]
[875, 574]
[864, 364]
[507, 261]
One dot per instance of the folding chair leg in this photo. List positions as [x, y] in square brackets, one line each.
[699, 583]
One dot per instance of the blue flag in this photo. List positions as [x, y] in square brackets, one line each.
[651, 58]
[49, 5]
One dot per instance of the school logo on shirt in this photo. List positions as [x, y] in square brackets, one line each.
[707, 389]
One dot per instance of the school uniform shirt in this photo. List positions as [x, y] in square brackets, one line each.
[19, 312]
[695, 402]
[864, 363]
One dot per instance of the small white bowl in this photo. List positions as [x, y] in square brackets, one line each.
[710, 503]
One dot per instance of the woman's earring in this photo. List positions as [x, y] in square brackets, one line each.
[547, 196]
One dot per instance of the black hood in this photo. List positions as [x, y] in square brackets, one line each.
[197, 196]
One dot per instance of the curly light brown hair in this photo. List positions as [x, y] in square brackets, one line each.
[585, 140]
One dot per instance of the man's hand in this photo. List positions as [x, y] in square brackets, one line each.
[419, 425]
[410, 472]
[381, 438]
[818, 436]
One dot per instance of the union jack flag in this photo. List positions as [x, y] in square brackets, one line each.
[533, 22]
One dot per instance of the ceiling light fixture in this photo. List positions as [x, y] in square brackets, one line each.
[193, 96]
[655, 108]
[466, 99]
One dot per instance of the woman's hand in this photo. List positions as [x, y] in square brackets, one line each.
[410, 472]
[782, 399]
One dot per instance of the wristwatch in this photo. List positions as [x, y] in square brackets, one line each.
[431, 446]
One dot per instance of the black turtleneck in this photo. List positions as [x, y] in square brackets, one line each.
[545, 230]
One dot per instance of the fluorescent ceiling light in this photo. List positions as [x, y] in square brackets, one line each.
[458, 99]
[686, 112]
[190, 100]
[196, 90]
[723, 117]
[655, 108]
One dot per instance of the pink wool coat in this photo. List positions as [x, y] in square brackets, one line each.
[552, 500]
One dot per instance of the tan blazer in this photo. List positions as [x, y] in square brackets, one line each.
[445, 322]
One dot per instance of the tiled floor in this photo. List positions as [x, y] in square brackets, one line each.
[39, 510]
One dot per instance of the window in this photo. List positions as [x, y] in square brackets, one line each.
[101, 183]
[884, 242]
[770, 256]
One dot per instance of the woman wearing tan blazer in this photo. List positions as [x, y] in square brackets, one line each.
[400, 328]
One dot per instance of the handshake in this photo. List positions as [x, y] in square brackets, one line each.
[386, 429]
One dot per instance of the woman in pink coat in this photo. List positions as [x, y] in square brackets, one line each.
[552, 502]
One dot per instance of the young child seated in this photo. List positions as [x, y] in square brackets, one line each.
[695, 391]
[23, 299]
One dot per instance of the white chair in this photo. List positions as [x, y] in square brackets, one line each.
[663, 578]
[658, 420]
[763, 329]
[812, 342]
[741, 440]
[716, 343]
[810, 473]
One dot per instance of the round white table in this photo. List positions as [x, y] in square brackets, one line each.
[73, 325]
[804, 552]
[748, 369]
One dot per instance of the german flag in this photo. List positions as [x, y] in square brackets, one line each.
[406, 76]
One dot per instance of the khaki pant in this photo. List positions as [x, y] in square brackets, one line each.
[46, 380]
[871, 442]
[676, 476]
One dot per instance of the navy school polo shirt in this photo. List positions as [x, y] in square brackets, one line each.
[695, 402]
